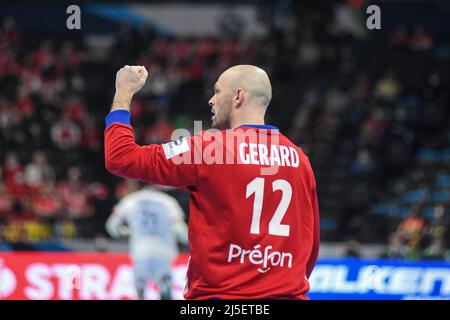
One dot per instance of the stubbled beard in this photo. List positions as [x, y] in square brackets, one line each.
[222, 125]
[225, 116]
[216, 125]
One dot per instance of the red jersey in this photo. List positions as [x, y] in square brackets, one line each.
[254, 220]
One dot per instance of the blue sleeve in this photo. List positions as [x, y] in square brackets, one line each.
[121, 116]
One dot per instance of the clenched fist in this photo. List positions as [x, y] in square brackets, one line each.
[130, 79]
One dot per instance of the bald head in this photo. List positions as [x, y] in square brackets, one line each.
[252, 80]
[241, 95]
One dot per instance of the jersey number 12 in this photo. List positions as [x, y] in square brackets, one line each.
[275, 227]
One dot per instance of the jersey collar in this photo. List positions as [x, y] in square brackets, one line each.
[260, 126]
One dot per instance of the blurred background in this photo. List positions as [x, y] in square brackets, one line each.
[369, 107]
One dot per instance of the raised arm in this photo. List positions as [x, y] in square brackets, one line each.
[124, 158]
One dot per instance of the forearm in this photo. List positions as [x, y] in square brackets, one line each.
[122, 101]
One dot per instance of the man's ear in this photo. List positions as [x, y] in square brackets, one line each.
[239, 97]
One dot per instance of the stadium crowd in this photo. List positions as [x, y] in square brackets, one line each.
[371, 114]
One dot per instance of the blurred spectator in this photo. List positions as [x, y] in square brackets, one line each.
[24, 103]
[407, 240]
[158, 83]
[9, 34]
[352, 249]
[137, 105]
[47, 62]
[437, 234]
[335, 100]
[363, 164]
[14, 232]
[126, 187]
[46, 202]
[91, 135]
[21, 211]
[71, 58]
[76, 200]
[66, 134]
[13, 176]
[160, 132]
[38, 172]
[37, 230]
[439, 223]
[74, 109]
[413, 226]
[309, 52]
[65, 229]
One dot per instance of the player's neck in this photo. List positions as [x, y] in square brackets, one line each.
[251, 119]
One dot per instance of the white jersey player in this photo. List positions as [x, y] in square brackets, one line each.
[154, 221]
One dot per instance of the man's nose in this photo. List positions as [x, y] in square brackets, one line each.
[211, 102]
